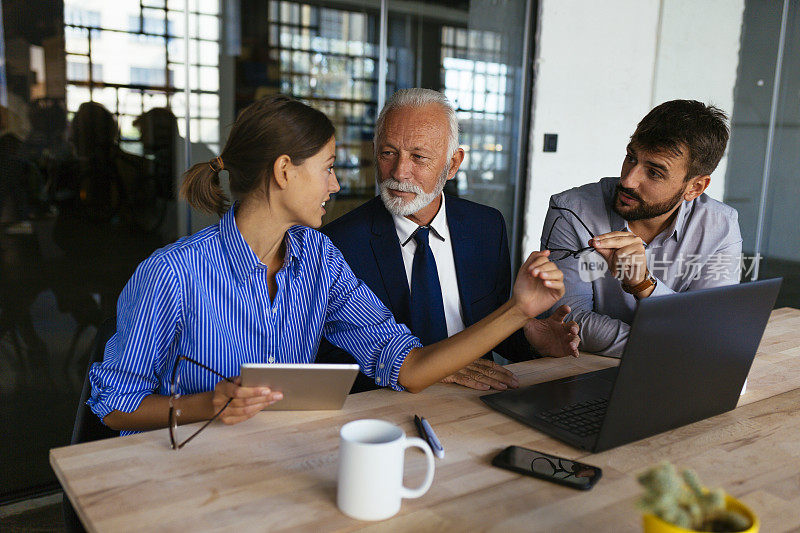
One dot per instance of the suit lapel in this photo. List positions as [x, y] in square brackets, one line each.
[464, 255]
[389, 258]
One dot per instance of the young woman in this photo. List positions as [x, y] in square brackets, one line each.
[261, 286]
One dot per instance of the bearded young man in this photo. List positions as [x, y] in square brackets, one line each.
[438, 262]
[652, 231]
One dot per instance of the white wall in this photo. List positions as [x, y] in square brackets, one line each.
[601, 66]
[698, 57]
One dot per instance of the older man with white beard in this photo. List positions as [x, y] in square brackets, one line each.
[438, 262]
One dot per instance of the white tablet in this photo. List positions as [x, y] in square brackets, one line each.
[305, 387]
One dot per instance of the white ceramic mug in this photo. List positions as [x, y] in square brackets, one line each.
[371, 456]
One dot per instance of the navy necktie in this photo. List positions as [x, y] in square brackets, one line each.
[427, 309]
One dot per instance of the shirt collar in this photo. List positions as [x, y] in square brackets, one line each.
[679, 222]
[241, 257]
[294, 249]
[406, 228]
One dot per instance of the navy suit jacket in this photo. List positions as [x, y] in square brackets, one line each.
[368, 240]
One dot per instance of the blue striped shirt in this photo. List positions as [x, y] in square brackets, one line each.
[206, 296]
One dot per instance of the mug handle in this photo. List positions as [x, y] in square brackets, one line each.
[405, 492]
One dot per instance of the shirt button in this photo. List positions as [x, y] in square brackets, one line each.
[271, 359]
[382, 365]
[377, 380]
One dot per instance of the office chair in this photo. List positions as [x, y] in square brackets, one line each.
[87, 426]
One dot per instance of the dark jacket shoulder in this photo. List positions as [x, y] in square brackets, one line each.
[356, 217]
[457, 207]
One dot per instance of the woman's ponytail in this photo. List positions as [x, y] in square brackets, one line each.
[202, 190]
[266, 129]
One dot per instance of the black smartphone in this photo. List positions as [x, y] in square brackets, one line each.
[545, 466]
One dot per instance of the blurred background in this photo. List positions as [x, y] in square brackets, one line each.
[104, 104]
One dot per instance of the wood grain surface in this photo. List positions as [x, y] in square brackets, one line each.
[277, 471]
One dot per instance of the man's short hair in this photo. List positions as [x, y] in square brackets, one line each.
[417, 97]
[685, 124]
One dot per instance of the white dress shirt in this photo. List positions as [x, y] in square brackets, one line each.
[442, 248]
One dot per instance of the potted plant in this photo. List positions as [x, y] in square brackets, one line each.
[675, 503]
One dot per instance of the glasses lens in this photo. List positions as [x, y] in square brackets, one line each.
[173, 424]
[178, 435]
[588, 253]
[174, 404]
[559, 255]
[544, 466]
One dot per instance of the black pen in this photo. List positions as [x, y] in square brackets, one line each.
[426, 432]
[421, 430]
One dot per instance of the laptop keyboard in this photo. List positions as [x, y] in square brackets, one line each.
[582, 419]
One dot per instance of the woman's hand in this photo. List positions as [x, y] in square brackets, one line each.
[539, 285]
[245, 401]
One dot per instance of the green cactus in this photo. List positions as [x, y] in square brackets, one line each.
[681, 500]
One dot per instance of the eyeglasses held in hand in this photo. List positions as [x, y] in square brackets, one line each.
[562, 253]
[174, 412]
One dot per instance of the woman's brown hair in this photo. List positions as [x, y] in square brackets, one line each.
[265, 130]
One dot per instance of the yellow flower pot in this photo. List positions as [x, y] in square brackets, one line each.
[653, 524]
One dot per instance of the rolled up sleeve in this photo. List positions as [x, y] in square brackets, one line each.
[358, 322]
[148, 314]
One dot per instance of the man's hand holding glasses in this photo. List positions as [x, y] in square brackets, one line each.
[623, 251]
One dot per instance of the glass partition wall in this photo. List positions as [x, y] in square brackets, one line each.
[762, 180]
[329, 55]
[97, 122]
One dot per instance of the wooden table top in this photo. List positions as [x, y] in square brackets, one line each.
[277, 471]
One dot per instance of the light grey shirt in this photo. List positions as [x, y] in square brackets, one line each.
[701, 249]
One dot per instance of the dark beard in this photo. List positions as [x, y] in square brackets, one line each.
[644, 210]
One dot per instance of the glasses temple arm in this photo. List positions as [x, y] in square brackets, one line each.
[549, 233]
[573, 214]
[201, 365]
[204, 426]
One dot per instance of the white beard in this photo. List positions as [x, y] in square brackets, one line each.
[402, 208]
